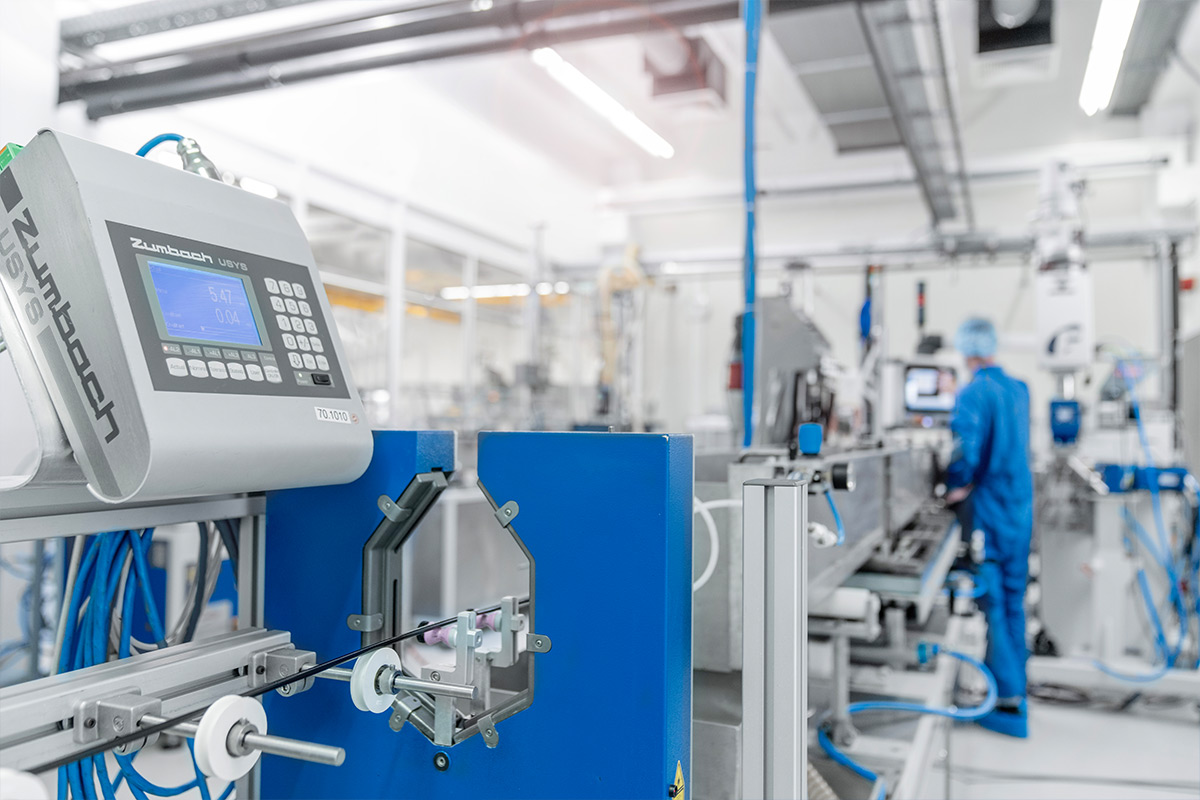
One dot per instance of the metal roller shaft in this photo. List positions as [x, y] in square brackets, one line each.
[267, 743]
[401, 683]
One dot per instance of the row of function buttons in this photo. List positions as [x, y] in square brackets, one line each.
[296, 324]
[308, 361]
[291, 306]
[196, 351]
[222, 369]
[284, 288]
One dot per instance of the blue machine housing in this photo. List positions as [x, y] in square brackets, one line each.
[1120, 478]
[1065, 418]
[607, 519]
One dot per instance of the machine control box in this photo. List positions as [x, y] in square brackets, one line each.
[177, 325]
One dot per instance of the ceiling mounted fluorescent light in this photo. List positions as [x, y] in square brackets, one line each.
[1108, 49]
[602, 102]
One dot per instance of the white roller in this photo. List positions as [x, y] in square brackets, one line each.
[362, 680]
[15, 785]
[212, 737]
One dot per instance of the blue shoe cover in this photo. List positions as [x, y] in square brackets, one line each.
[1008, 721]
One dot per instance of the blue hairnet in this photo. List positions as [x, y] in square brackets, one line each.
[976, 338]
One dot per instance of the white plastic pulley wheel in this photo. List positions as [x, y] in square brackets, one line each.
[16, 785]
[363, 690]
[212, 737]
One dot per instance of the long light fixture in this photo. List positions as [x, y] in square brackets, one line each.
[501, 290]
[602, 102]
[1108, 49]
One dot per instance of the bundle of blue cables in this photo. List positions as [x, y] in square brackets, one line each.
[1160, 552]
[958, 714]
[91, 604]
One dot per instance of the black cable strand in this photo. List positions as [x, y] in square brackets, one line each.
[189, 630]
[229, 537]
[302, 675]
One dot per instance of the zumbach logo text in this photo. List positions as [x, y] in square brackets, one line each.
[31, 278]
[167, 250]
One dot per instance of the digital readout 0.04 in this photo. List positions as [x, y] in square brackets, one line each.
[204, 306]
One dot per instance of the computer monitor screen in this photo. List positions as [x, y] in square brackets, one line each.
[929, 389]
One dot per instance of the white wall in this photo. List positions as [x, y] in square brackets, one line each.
[690, 341]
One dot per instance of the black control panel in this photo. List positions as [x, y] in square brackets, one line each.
[222, 321]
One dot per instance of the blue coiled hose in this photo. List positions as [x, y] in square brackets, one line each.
[950, 712]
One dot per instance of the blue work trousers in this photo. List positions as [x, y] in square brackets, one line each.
[1004, 575]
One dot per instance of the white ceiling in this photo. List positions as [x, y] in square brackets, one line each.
[514, 96]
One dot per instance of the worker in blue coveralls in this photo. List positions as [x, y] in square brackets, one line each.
[991, 466]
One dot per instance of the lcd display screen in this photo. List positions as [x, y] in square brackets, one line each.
[204, 306]
[930, 389]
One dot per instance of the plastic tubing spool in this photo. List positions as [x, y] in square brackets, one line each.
[212, 737]
[363, 691]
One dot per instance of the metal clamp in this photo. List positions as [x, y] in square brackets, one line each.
[538, 642]
[394, 512]
[364, 623]
[507, 513]
[115, 716]
[271, 665]
[403, 707]
[487, 729]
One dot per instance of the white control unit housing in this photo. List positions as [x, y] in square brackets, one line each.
[171, 332]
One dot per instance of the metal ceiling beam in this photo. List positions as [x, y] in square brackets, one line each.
[891, 41]
[304, 53]
[156, 16]
[1153, 38]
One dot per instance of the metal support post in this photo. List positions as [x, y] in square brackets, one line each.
[397, 275]
[775, 639]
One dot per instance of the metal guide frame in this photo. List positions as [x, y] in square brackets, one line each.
[40, 716]
[775, 639]
[380, 618]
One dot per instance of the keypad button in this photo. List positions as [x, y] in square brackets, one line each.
[197, 368]
[217, 370]
[299, 290]
[254, 372]
[212, 352]
[277, 303]
[295, 360]
[305, 308]
[309, 362]
[310, 326]
[285, 288]
[237, 371]
[322, 362]
[192, 350]
[302, 378]
[272, 285]
[272, 374]
[285, 323]
[268, 360]
[317, 345]
[172, 349]
[302, 342]
[291, 306]
[177, 367]
[232, 355]
[297, 324]
[249, 355]
[289, 341]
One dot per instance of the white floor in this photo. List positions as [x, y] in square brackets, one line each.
[1112, 755]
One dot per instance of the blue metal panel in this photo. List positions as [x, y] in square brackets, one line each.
[607, 519]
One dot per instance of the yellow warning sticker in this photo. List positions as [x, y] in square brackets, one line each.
[678, 789]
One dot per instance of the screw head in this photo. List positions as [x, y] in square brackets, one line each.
[89, 723]
[435, 676]
[537, 642]
[260, 670]
[441, 761]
